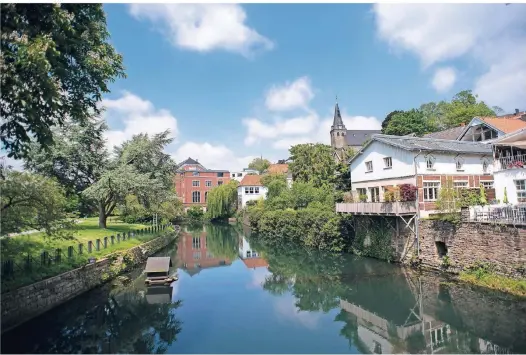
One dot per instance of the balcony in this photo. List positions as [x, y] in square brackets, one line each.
[512, 162]
[378, 208]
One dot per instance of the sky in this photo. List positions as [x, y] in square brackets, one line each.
[233, 82]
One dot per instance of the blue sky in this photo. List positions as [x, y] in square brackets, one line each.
[237, 81]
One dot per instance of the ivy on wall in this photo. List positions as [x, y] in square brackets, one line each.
[373, 238]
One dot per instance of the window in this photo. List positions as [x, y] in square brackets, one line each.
[246, 190]
[430, 162]
[197, 255]
[208, 183]
[195, 173]
[220, 182]
[196, 243]
[460, 164]
[431, 190]
[206, 196]
[487, 184]
[485, 166]
[256, 190]
[239, 174]
[195, 183]
[248, 254]
[460, 184]
[196, 197]
[388, 162]
[375, 194]
[362, 194]
[368, 166]
[220, 174]
[521, 190]
[233, 174]
[251, 189]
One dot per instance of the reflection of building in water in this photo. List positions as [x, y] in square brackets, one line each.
[378, 325]
[250, 257]
[193, 254]
[159, 294]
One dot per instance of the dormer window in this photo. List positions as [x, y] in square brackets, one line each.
[459, 164]
[430, 162]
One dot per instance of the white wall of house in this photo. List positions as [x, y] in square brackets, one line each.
[239, 175]
[248, 193]
[506, 179]
[446, 164]
[402, 163]
[245, 251]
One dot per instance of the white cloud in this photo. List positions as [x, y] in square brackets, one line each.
[291, 95]
[135, 115]
[258, 130]
[493, 36]
[204, 27]
[444, 79]
[16, 164]
[285, 306]
[212, 156]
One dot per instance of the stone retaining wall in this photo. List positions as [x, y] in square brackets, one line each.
[30, 301]
[503, 246]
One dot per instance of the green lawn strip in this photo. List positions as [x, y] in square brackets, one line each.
[17, 248]
[496, 282]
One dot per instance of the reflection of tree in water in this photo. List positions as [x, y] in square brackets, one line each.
[123, 322]
[350, 331]
[222, 241]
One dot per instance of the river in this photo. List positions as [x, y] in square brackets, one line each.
[238, 295]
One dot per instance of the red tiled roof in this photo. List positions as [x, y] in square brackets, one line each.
[278, 168]
[506, 125]
[255, 262]
[251, 180]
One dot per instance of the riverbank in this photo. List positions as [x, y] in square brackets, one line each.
[483, 278]
[30, 301]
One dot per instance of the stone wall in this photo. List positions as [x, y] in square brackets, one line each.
[503, 246]
[30, 301]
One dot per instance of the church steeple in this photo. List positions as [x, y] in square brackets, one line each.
[337, 122]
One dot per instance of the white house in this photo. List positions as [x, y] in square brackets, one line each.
[250, 189]
[425, 163]
[239, 175]
[510, 167]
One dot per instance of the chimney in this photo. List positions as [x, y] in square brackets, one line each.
[516, 111]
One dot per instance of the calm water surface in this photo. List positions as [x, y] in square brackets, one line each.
[236, 295]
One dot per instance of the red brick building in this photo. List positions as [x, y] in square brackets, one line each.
[193, 181]
[193, 254]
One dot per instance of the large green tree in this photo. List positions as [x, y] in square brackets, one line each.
[312, 163]
[463, 107]
[77, 158]
[31, 201]
[56, 63]
[387, 119]
[259, 164]
[407, 122]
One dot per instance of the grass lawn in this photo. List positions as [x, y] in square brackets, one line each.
[17, 248]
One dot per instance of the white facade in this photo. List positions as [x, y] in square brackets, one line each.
[245, 251]
[239, 175]
[250, 193]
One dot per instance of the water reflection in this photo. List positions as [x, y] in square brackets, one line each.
[303, 300]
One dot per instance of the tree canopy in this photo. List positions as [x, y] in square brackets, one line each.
[222, 200]
[312, 163]
[407, 122]
[56, 63]
[259, 164]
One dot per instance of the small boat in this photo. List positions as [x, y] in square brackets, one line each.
[157, 271]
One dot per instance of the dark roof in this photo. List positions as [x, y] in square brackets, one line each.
[430, 144]
[158, 264]
[358, 137]
[189, 161]
[448, 134]
[337, 122]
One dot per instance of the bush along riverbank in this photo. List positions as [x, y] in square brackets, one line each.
[484, 275]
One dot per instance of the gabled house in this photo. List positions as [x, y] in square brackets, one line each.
[425, 163]
[250, 189]
[483, 128]
[280, 168]
[239, 175]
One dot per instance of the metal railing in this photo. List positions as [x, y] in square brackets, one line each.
[500, 214]
[387, 208]
[512, 162]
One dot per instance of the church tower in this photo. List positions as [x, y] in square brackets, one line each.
[338, 130]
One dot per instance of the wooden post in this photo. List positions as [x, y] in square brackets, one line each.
[118, 238]
[105, 242]
[70, 252]
[90, 246]
[97, 244]
[81, 246]
[112, 239]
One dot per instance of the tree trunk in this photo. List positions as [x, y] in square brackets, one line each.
[102, 216]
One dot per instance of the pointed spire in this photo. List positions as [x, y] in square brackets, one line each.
[338, 122]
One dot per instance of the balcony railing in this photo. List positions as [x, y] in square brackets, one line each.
[512, 162]
[378, 208]
[499, 214]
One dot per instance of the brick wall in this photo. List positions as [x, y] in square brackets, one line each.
[30, 301]
[183, 182]
[501, 245]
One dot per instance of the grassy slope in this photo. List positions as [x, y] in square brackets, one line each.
[17, 248]
[496, 282]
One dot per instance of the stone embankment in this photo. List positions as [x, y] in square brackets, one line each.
[30, 301]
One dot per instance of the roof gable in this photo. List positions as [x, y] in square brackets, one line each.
[251, 180]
